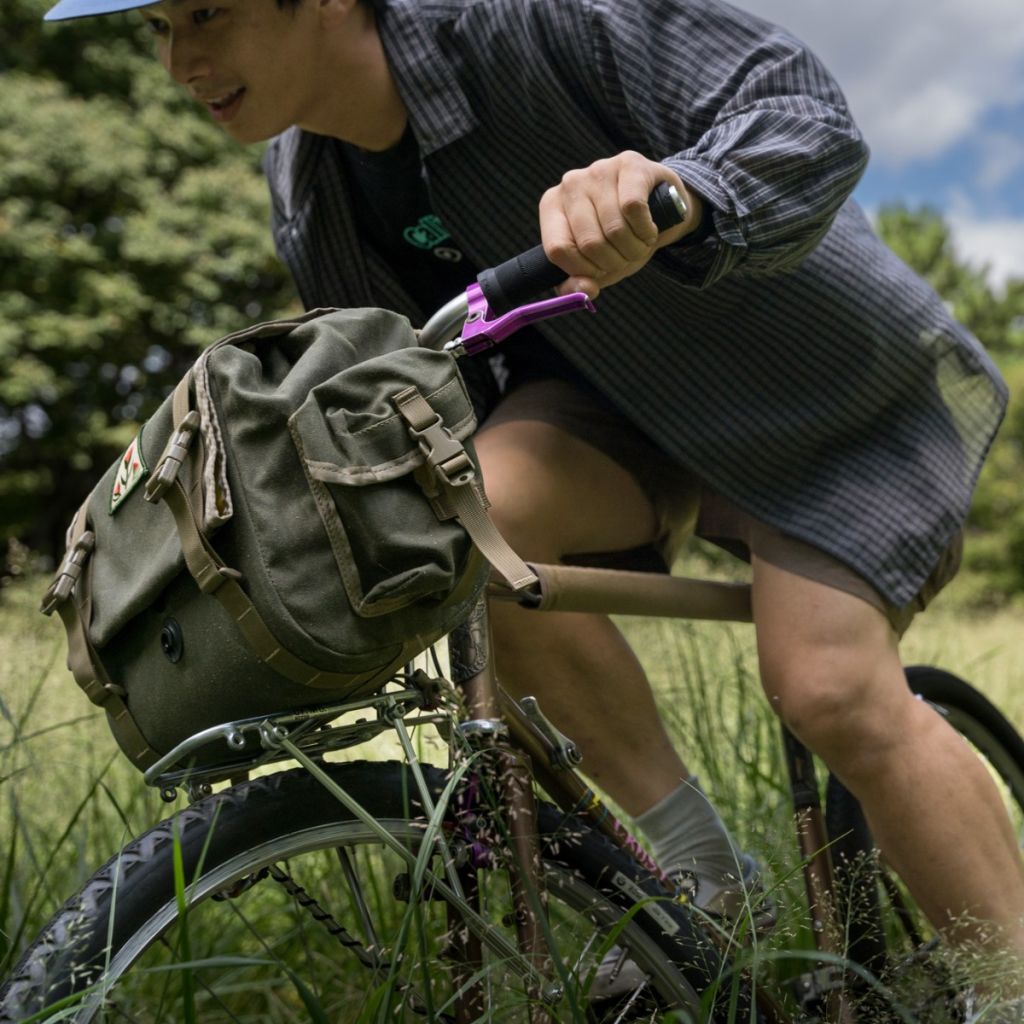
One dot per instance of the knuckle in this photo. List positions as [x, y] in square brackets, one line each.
[620, 234]
[559, 252]
[593, 246]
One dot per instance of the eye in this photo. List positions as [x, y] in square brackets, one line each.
[205, 14]
[157, 26]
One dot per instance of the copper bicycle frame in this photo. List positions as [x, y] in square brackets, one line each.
[501, 720]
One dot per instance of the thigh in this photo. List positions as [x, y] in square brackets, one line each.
[552, 493]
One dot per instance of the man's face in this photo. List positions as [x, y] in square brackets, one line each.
[243, 60]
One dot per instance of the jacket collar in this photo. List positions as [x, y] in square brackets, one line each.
[438, 108]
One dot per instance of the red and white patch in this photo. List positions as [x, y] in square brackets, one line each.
[130, 470]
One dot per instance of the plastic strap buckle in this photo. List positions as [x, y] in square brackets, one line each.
[70, 572]
[173, 456]
[446, 455]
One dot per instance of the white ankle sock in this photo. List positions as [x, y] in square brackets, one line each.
[686, 834]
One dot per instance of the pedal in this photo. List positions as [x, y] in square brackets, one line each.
[812, 988]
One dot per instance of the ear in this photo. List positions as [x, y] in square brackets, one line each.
[334, 12]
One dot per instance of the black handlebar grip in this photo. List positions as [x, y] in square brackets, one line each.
[519, 279]
[667, 207]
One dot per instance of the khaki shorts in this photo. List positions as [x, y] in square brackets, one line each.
[684, 506]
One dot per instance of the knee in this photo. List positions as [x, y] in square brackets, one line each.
[522, 520]
[847, 710]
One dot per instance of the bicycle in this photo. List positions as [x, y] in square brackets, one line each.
[466, 897]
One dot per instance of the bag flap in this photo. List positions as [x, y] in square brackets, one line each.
[349, 431]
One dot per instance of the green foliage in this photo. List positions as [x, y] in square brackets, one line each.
[132, 233]
[922, 239]
[994, 554]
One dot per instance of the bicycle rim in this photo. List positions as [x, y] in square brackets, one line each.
[354, 952]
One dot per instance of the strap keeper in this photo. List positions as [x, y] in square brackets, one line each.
[173, 456]
[69, 573]
[212, 577]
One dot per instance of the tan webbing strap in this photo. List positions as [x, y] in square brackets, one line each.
[180, 404]
[86, 668]
[213, 577]
[454, 468]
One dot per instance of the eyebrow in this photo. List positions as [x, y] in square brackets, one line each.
[155, 8]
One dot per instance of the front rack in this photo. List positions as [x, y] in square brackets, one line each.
[256, 741]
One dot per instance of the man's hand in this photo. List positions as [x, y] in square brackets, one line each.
[596, 224]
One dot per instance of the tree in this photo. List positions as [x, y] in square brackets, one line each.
[922, 239]
[994, 555]
[133, 232]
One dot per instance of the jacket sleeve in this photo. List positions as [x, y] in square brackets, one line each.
[743, 113]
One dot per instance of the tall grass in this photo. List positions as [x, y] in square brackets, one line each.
[68, 800]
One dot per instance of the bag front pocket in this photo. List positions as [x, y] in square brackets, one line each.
[365, 472]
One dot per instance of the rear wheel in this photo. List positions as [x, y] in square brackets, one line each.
[887, 936]
[291, 909]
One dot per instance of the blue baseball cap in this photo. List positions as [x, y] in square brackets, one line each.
[68, 9]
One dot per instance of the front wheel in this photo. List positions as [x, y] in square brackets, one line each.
[888, 938]
[287, 908]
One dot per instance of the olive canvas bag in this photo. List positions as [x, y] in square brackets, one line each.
[301, 517]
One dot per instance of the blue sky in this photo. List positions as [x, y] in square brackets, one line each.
[937, 87]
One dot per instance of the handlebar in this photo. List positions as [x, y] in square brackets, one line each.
[516, 281]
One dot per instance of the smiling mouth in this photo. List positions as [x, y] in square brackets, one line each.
[224, 107]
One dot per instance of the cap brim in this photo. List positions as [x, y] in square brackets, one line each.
[68, 9]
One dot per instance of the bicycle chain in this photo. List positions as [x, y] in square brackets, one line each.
[338, 931]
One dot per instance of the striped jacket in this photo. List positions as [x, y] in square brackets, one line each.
[790, 360]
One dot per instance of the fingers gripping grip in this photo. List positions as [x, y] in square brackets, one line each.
[521, 278]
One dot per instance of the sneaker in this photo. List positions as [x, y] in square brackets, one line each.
[744, 899]
[618, 976]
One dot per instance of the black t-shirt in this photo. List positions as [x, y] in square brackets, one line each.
[393, 212]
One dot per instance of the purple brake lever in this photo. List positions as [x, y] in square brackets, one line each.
[480, 333]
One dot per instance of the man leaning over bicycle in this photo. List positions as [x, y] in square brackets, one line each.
[768, 355]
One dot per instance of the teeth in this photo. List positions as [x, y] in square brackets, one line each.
[220, 101]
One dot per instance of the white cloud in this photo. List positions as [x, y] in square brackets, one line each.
[918, 73]
[997, 243]
[1000, 156]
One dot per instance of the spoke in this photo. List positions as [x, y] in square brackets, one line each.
[584, 954]
[487, 932]
[358, 898]
[368, 959]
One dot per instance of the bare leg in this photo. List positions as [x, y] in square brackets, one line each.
[831, 669]
[554, 495]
